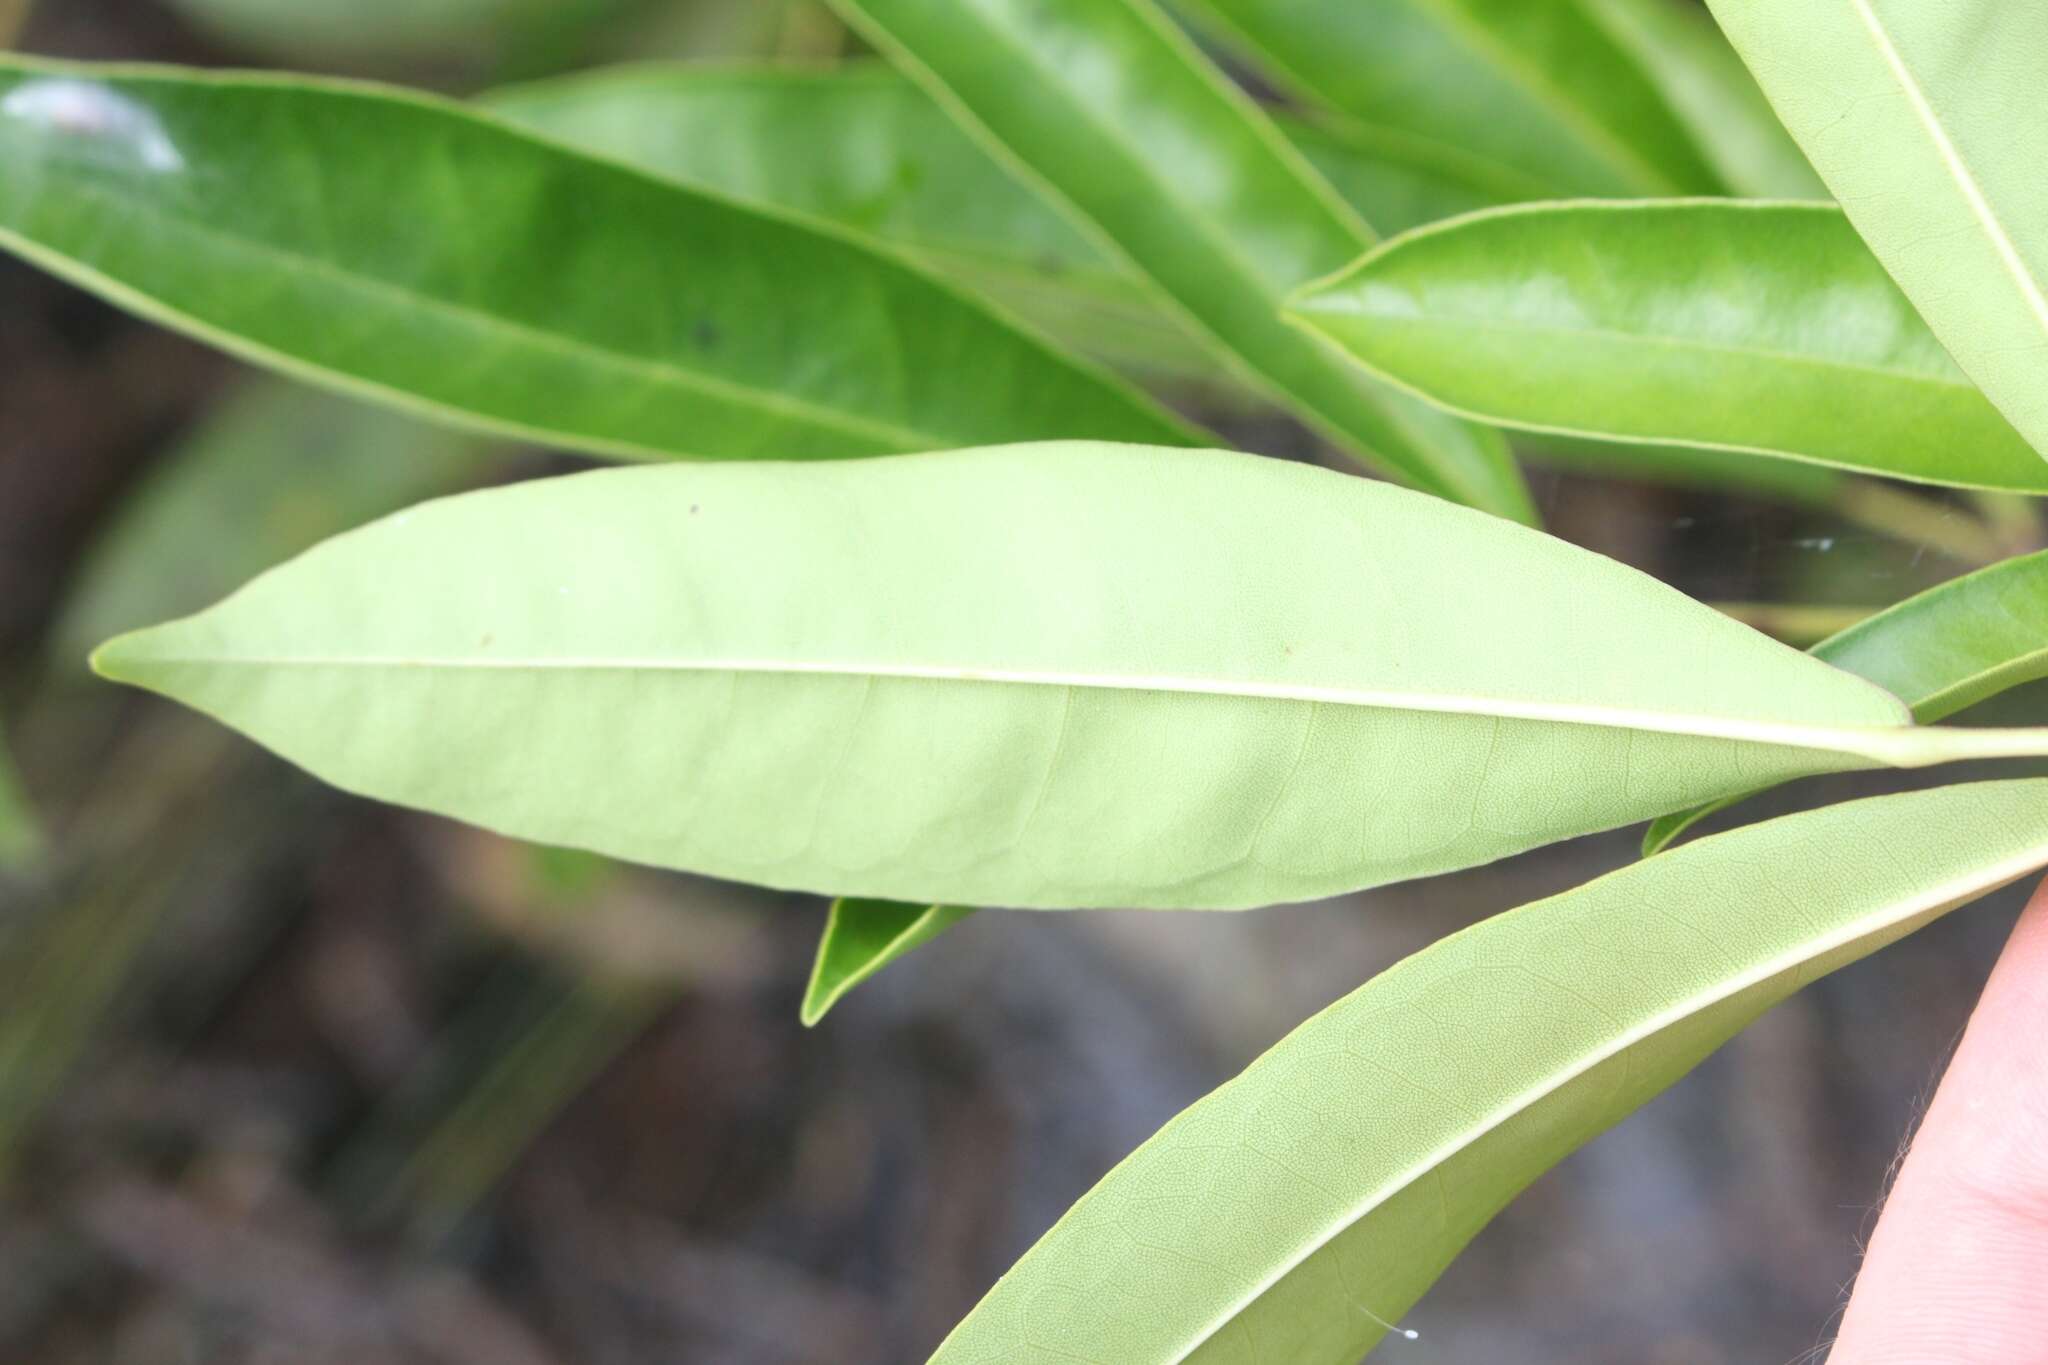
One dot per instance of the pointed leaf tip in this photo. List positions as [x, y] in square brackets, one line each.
[861, 938]
[114, 659]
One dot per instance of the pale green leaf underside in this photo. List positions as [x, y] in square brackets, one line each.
[1051, 676]
[1112, 112]
[863, 936]
[1732, 325]
[1928, 122]
[1277, 1221]
[410, 250]
[1941, 652]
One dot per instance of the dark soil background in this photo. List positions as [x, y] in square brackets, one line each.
[291, 1077]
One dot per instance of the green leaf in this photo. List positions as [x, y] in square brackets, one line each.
[1298, 1209]
[407, 249]
[1941, 651]
[1928, 123]
[1677, 48]
[861, 146]
[1733, 325]
[864, 147]
[863, 936]
[20, 839]
[1540, 85]
[1397, 180]
[1046, 676]
[274, 470]
[1115, 114]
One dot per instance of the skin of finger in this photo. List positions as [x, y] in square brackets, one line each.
[1957, 1269]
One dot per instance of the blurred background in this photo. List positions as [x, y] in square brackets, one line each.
[287, 1076]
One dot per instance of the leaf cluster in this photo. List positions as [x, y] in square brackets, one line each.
[929, 590]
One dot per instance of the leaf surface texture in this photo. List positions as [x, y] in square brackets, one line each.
[1047, 676]
[1291, 1213]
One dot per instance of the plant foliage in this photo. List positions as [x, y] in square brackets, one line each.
[937, 600]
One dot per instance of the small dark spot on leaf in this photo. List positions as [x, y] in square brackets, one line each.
[693, 509]
[706, 334]
[485, 643]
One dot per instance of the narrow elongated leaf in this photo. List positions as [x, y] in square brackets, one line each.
[1678, 50]
[1397, 180]
[1039, 676]
[1540, 85]
[863, 147]
[1928, 123]
[19, 837]
[1941, 651]
[1117, 115]
[1293, 1212]
[274, 470]
[861, 937]
[1727, 324]
[859, 145]
[411, 250]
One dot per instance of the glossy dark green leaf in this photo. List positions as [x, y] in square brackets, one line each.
[1942, 651]
[1297, 1211]
[1046, 676]
[1115, 113]
[1729, 324]
[861, 146]
[863, 936]
[1544, 86]
[275, 470]
[1927, 120]
[408, 249]
[864, 147]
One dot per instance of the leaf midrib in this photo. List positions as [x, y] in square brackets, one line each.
[1879, 743]
[1793, 959]
[1952, 161]
[1955, 380]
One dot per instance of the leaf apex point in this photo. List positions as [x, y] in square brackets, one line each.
[112, 659]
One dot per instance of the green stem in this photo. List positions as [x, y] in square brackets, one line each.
[1919, 520]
